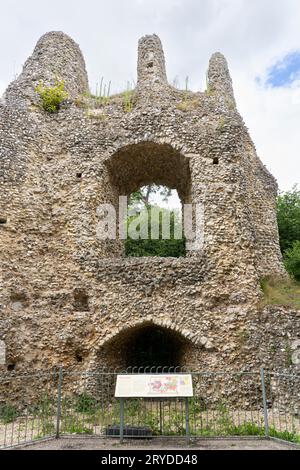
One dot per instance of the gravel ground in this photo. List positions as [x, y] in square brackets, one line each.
[159, 444]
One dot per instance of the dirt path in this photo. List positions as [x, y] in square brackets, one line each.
[160, 444]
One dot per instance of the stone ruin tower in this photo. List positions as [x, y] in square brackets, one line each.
[69, 298]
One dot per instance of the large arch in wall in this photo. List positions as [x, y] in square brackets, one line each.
[144, 344]
[134, 165]
[142, 163]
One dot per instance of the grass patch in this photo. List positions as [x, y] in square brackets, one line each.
[281, 291]
[285, 435]
[188, 104]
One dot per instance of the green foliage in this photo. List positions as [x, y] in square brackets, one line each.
[85, 403]
[151, 247]
[8, 413]
[288, 216]
[285, 435]
[71, 427]
[142, 196]
[52, 96]
[278, 291]
[292, 260]
[147, 217]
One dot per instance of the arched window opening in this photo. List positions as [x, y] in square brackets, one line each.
[156, 175]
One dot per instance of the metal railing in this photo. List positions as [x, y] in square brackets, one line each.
[67, 403]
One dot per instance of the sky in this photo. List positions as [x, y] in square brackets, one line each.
[260, 39]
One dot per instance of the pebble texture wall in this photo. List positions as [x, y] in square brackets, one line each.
[64, 294]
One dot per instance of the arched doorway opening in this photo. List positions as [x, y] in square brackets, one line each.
[146, 345]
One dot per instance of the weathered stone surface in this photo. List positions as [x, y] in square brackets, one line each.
[2, 353]
[52, 262]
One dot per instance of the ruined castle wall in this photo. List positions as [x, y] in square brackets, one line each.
[64, 292]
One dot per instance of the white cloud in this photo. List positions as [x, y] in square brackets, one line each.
[252, 34]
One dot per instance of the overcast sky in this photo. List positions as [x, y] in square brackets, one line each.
[260, 38]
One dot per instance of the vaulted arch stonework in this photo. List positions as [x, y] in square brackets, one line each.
[147, 344]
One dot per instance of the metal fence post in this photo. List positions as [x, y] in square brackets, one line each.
[187, 421]
[264, 396]
[58, 415]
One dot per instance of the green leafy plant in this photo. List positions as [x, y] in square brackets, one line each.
[292, 260]
[288, 216]
[75, 428]
[8, 413]
[85, 403]
[151, 216]
[285, 435]
[52, 96]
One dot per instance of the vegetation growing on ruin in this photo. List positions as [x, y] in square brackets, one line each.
[128, 104]
[188, 104]
[52, 96]
[102, 98]
[278, 291]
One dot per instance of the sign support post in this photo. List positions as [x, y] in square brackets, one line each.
[121, 420]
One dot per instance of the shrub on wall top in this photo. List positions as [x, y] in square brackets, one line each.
[52, 96]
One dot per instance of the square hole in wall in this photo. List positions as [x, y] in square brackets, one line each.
[3, 220]
[81, 300]
[79, 176]
[215, 161]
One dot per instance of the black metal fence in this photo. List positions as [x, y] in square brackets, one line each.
[67, 403]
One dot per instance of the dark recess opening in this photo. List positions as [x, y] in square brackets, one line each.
[154, 347]
[11, 367]
[216, 161]
[79, 175]
[79, 357]
[147, 346]
[3, 220]
[81, 301]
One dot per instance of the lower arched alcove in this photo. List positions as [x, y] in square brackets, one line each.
[144, 346]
